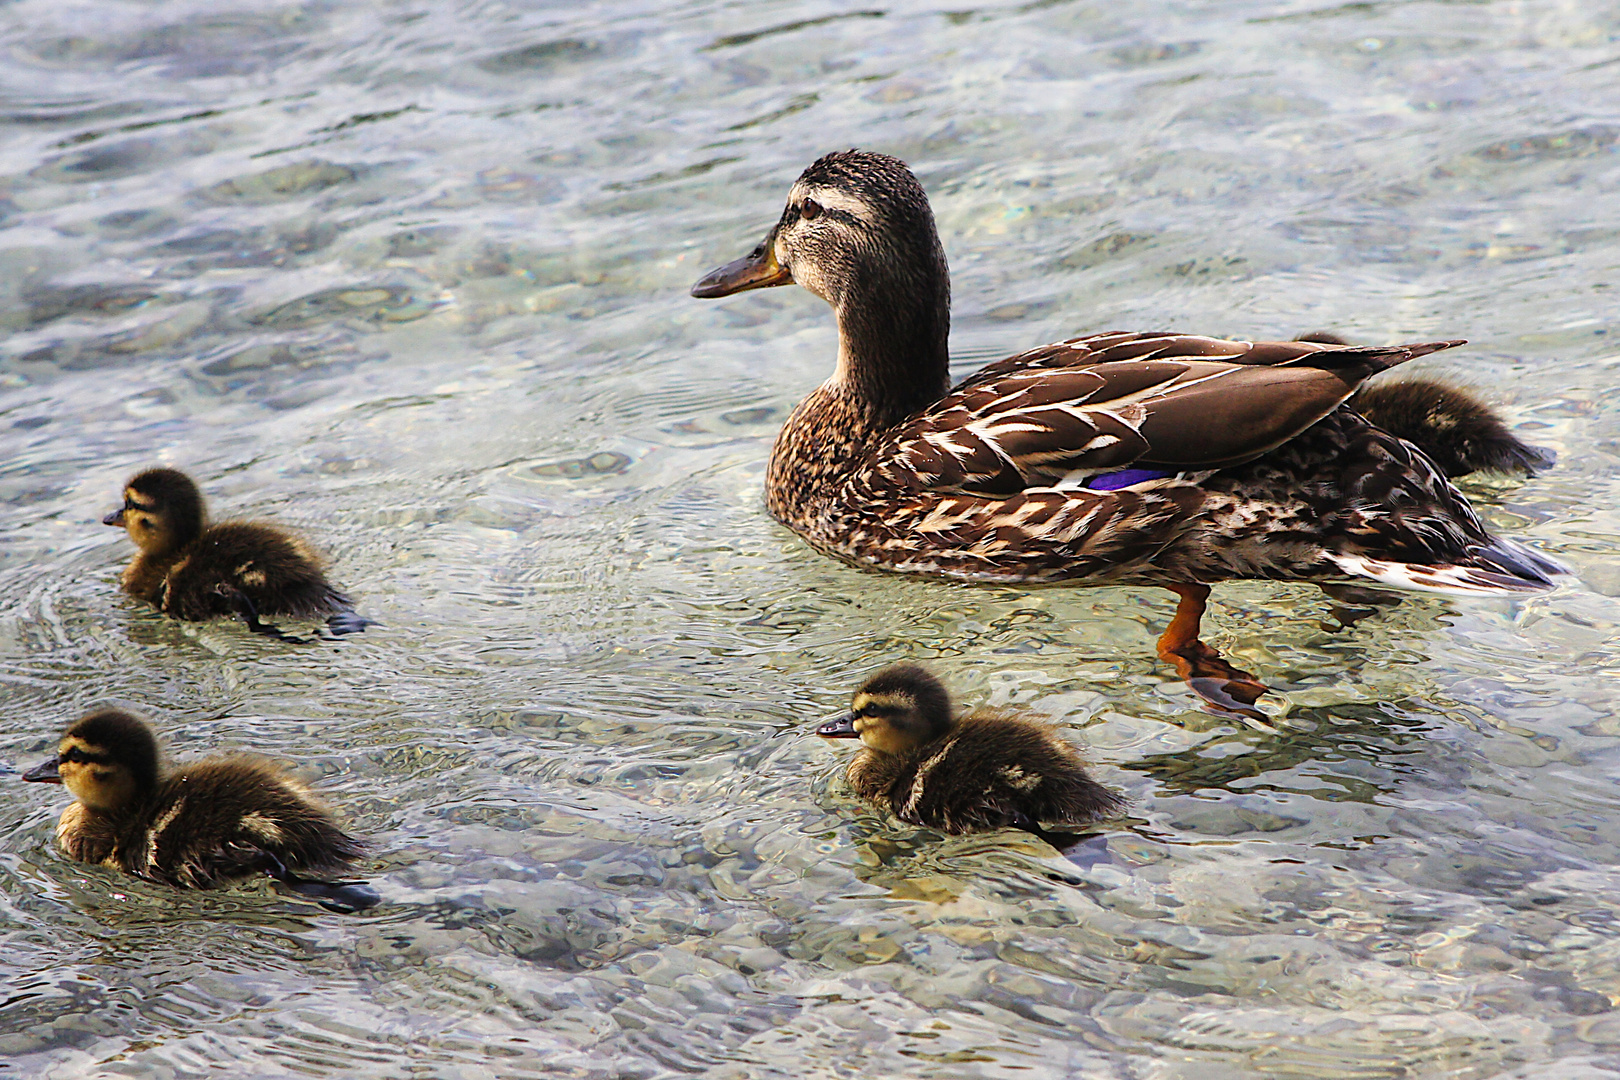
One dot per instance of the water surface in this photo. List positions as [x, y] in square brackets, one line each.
[412, 278]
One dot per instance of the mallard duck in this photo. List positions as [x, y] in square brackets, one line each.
[220, 818]
[1146, 458]
[192, 570]
[986, 770]
[1454, 427]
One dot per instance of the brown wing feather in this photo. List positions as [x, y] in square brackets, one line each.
[1104, 402]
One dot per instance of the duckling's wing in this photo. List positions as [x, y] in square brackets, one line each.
[1056, 416]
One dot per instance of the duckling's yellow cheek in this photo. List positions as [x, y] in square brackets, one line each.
[882, 738]
[75, 778]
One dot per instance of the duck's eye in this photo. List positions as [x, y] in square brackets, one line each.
[809, 210]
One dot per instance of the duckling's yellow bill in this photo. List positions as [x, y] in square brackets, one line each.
[45, 772]
[756, 270]
[841, 728]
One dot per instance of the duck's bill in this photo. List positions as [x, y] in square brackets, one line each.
[114, 518]
[45, 772]
[841, 728]
[756, 270]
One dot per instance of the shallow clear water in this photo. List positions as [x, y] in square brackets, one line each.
[412, 278]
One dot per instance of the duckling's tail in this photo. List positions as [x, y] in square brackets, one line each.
[1498, 568]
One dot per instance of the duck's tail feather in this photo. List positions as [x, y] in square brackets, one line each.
[1519, 561]
[1500, 568]
[1357, 362]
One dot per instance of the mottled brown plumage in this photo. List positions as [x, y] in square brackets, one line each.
[986, 770]
[1161, 458]
[197, 827]
[192, 570]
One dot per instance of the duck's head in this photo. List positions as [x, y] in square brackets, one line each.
[858, 232]
[108, 760]
[162, 510]
[897, 710]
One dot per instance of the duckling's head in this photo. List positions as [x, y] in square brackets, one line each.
[897, 710]
[858, 232]
[108, 760]
[162, 511]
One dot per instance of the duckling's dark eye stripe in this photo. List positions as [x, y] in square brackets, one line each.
[80, 757]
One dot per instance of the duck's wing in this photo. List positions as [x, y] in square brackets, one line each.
[1054, 416]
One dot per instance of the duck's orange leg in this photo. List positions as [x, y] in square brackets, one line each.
[1211, 678]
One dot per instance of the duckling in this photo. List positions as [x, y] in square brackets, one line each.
[986, 770]
[1169, 460]
[1453, 427]
[192, 570]
[220, 818]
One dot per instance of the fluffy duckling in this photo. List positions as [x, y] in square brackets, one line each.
[1454, 428]
[221, 818]
[987, 770]
[190, 569]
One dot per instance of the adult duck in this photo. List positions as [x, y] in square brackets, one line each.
[1161, 459]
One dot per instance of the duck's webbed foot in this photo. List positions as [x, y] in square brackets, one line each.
[1224, 687]
[243, 605]
[347, 621]
[343, 897]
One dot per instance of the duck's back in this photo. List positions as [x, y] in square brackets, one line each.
[992, 771]
[273, 569]
[219, 818]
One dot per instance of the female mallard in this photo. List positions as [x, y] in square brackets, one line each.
[190, 569]
[1161, 459]
[986, 770]
[217, 819]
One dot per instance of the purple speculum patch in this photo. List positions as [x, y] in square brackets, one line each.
[1113, 481]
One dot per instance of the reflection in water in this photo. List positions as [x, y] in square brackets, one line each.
[414, 282]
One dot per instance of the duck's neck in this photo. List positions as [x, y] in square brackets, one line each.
[893, 332]
[892, 363]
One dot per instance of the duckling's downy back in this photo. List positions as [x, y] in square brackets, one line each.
[991, 771]
[220, 818]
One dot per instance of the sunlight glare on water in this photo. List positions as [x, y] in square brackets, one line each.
[413, 278]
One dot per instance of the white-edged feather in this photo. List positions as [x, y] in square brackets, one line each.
[1453, 580]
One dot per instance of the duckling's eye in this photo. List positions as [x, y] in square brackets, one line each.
[809, 209]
